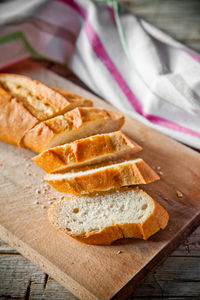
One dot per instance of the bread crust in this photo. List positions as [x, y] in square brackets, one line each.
[15, 119]
[157, 220]
[37, 138]
[42, 135]
[114, 176]
[86, 151]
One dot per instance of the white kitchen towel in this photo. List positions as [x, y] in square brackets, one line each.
[124, 59]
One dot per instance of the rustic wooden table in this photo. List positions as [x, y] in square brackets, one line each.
[179, 276]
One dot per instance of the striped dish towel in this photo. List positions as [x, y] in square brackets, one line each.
[124, 59]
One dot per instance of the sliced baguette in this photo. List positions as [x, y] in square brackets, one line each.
[87, 151]
[106, 217]
[79, 123]
[25, 102]
[104, 178]
[40, 100]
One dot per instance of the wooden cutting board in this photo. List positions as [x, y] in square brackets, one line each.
[96, 272]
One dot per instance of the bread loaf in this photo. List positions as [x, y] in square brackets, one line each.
[87, 151]
[40, 100]
[79, 123]
[104, 178]
[106, 217]
[25, 102]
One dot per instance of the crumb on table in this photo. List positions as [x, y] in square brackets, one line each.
[179, 194]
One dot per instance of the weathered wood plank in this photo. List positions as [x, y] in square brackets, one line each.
[168, 8]
[6, 249]
[19, 279]
[163, 298]
[178, 276]
[54, 291]
[189, 247]
[178, 18]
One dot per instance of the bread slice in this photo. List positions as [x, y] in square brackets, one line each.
[40, 100]
[87, 151]
[79, 123]
[104, 178]
[106, 217]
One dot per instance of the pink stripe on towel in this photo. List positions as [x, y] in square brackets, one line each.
[194, 56]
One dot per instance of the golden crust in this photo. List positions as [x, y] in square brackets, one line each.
[37, 138]
[104, 237]
[115, 176]
[90, 150]
[82, 115]
[15, 119]
[41, 135]
[157, 220]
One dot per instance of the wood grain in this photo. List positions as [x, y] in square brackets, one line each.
[93, 272]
